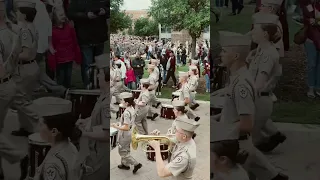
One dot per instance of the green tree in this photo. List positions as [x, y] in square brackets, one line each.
[192, 15]
[119, 20]
[145, 27]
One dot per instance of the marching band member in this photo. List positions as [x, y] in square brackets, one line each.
[142, 107]
[96, 128]
[179, 111]
[27, 75]
[224, 150]
[194, 63]
[266, 71]
[239, 109]
[124, 135]
[116, 82]
[193, 85]
[183, 159]
[56, 127]
[153, 80]
[273, 7]
[185, 95]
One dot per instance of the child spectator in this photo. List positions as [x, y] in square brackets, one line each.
[65, 48]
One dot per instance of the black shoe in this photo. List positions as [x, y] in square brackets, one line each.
[158, 104]
[24, 163]
[136, 168]
[273, 142]
[149, 117]
[21, 132]
[240, 9]
[193, 107]
[118, 114]
[121, 166]
[232, 14]
[197, 118]
[281, 177]
[155, 115]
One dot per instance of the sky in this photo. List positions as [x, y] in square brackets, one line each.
[136, 4]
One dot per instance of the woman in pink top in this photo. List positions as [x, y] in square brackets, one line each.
[65, 48]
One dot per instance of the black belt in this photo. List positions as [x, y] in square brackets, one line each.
[26, 62]
[117, 81]
[264, 94]
[243, 137]
[5, 79]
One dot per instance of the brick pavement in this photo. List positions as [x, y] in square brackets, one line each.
[148, 171]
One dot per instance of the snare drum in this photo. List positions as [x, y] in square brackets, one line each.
[152, 155]
[83, 101]
[167, 111]
[175, 95]
[136, 93]
[38, 150]
[113, 137]
[122, 108]
[216, 104]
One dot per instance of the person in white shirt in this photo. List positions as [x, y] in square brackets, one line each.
[122, 68]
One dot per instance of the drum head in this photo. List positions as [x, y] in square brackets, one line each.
[217, 101]
[176, 93]
[122, 106]
[36, 139]
[113, 131]
[167, 106]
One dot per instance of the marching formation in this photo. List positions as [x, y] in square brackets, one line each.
[242, 129]
[134, 108]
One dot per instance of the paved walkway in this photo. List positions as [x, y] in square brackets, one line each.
[148, 171]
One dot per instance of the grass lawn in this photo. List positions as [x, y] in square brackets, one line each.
[307, 112]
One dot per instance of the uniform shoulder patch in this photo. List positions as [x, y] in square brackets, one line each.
[24, 34]
[178, 159]
[50, 173]
[243, 92]
[266, 58]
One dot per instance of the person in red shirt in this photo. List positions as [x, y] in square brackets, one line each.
[65, 48]
[171, 69]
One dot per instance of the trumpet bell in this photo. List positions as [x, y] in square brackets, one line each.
[144, 139]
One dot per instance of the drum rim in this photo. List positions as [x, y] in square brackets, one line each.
[35, 141]
[84, 92]
[167, 106]
[136, 90]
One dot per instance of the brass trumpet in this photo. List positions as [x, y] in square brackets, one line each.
[136, 138]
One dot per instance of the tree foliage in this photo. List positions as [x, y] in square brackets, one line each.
[119, 20]
[191, 15]
[145, 27]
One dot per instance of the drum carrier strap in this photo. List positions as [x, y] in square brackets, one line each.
[65, 164]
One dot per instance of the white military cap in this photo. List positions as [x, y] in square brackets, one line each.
[144, 81]
[223, 131]
[230, 39]
[153, 61]
[183, 74]
[151, 66]
[195, 61]
[118, 62]
[177, 103]
[102, 60]
[193, 67]
[265, 18]
[272, 2]
[187, 125]
[25, 3]
[51, 106]
[125, 95]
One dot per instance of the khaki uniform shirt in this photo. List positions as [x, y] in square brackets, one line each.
[266, 61]
[10, 48]
[193, 83]
[239, 100]
[58, 163]
[183, 160]
[184, 92]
